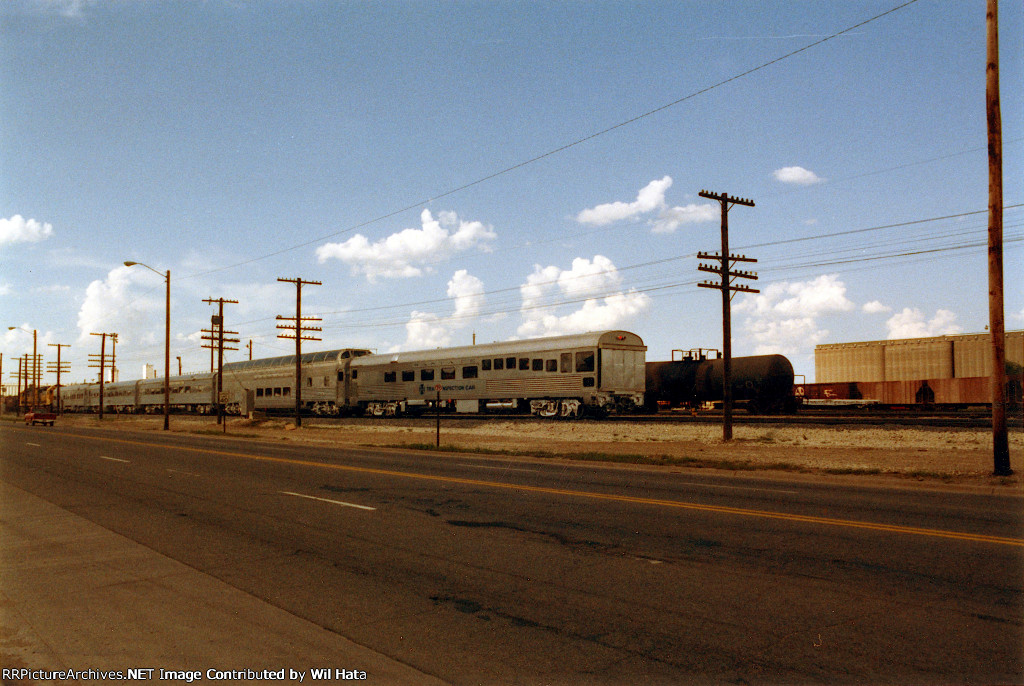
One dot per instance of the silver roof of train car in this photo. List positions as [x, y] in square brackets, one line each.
[591, 339]
[307, 358]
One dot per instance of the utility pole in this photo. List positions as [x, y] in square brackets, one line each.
[113, 358]
[997, 326]
[299, 328]
[100, 361]
[217, 333]
[250, 349]
[727, 289]
[21, 363]
[179, 365]
[59, 367]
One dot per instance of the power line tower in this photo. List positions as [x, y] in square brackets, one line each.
[217, 334]
[726, 286]
[100, 362]
[58, 367]
[299, 328]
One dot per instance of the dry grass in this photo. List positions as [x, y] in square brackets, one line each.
[957, 455]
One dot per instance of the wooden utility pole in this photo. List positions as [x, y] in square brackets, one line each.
[59, 367]
[21, 363]
[299, 328]
[217, 334]
[100, 361]
[997, 327]
[723, 269]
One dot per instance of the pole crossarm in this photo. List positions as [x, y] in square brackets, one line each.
[725, 260]
[298, 329]
[217, 333]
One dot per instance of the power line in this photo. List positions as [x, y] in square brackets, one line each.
[563, 148]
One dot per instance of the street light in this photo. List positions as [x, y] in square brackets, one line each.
[167, 343]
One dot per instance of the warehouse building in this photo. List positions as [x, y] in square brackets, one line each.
[908, 359]
[943, 369]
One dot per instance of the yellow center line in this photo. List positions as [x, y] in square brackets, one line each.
[721, 509]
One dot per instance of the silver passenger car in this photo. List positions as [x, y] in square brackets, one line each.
[563, 376]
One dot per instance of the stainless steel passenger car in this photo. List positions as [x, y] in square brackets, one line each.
[562, 376]
[269, 384]
[189, 393]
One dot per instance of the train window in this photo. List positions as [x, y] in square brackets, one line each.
[524, 364]
[551, 365]
[469, 372]
[409, 375]
[390, 377]
[588, 382]
[341, 376]
[510, 363]
[277, 391]
[286, 391]
[485, 365]
[426, 375]
[447, 373]
[355, 374]
[259, 392]
[585, 361]
[499, 364]
[538, 365]
[309, 381]
[566, 362]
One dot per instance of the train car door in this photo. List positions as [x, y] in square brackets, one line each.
[622, 370]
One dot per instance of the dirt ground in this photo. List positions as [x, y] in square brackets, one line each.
[911, 454]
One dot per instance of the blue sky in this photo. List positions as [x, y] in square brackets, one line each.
[448, 169]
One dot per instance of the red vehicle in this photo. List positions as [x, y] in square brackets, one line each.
[40, 416]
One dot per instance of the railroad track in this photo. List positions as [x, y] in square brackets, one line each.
[815, 418]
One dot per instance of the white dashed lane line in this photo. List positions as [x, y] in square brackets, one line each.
[114, 459]
[327, 500]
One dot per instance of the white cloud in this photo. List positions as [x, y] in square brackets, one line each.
[17, 341]
[649, 201]
[17, 229]
[426, 330]
[114, 305]
[912, 323]
[468, 293]
[597, 282]
[410, 252]
[797, 175]
[784, 317]
[671, 218]
[651, 197]
[72, 9]
[875, 307]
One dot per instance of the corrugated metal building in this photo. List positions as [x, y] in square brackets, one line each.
[909, 359]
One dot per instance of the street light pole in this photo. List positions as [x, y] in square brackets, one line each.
[167, 343]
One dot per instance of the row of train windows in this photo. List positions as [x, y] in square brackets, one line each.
[584, 363]
[284, 392]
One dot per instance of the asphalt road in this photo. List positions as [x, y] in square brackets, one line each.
[484, 570]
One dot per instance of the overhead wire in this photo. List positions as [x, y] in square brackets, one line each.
[562, 148]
